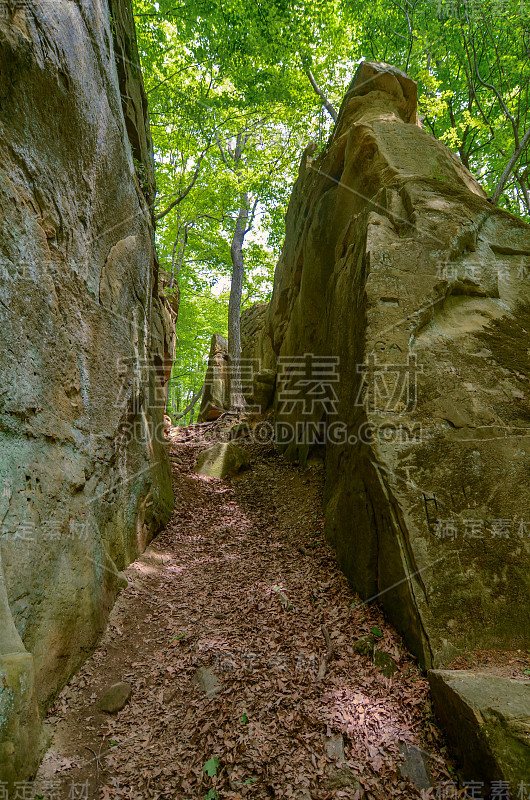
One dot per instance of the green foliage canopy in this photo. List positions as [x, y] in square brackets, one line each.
[214, 69]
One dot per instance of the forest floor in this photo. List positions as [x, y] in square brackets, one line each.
[237, 633]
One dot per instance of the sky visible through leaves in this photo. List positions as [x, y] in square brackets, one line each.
[218, 69]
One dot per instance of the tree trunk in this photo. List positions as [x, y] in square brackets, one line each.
[522, 182]
[237, 401]
[191, 405]
[173, 263]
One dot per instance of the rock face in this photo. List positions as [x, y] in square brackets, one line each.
[207, 680]
[398, 330]
[410, 294]
[260, 380]
[216, 398]
[489, 718]
[86, 346]
[415, 766]
[258, 383]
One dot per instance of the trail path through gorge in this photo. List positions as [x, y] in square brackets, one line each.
[237, 633]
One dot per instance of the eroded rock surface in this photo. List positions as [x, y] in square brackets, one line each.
[216, 398]
[398, 331]
[86, 345]
[488, 717]
[400, 280]
[257, 383]
[115, 697]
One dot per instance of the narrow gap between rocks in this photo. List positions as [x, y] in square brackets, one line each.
[249, 660]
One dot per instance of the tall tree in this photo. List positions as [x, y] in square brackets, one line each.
[232, 158]
[216, 68]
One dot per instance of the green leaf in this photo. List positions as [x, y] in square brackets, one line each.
[179, 636]
[212, 795]
[211, 766]
[249, 781]
[244, 719]
[526, 672]
[376, 631]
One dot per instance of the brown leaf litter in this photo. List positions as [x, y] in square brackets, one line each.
[242, 590]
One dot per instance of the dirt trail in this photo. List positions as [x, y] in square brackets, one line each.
[242, 584]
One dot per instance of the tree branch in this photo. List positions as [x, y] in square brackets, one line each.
[180, 197]
[219, 145]
[328, 106]
[173, 262]
[523, 185]
[191, 404]
[493, 89]
[509, 168]
[250, 217]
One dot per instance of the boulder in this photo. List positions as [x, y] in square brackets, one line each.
[115, 698]
[334, 747]
[257, 383]
[222, 460]
[86, 344]
[206, 678]
[488, 721]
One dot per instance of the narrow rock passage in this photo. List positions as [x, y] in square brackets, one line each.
[221, 634]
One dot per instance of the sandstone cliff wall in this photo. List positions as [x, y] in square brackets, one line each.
[86, 344]
[398, 334]
[398, 276]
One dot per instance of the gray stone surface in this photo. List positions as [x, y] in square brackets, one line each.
[216, 396]
[115, 698]
[395, 265]
[206, 678]
[86, 344]
[222, 460]
[488, 721]
[415, 765]
[334, 747]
